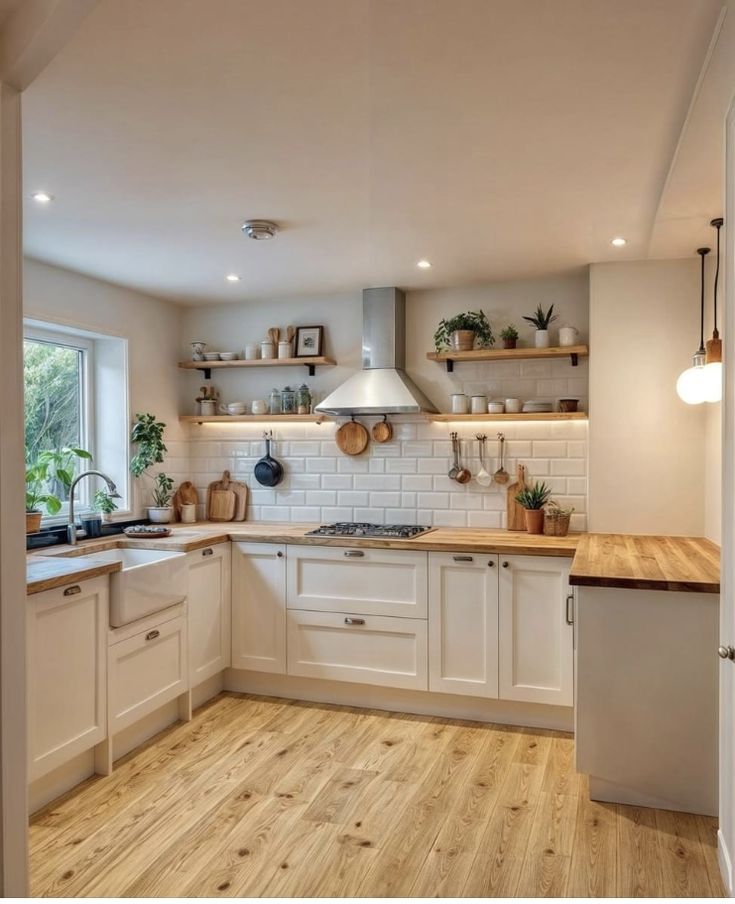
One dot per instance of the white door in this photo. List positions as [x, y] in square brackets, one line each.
[209, 612]
[535, 633]
[259, 607]
[463, 623]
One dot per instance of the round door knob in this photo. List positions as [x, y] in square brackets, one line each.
[279, 554]
[506, 564]
[491, 564]
[726, 652]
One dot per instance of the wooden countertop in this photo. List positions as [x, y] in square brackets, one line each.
[690, 564]
[50, 573]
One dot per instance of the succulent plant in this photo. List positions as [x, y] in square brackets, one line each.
[534, 497]
[541, 320]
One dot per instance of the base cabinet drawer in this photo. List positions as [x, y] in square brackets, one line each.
[368, 649]
[360, 581]
[145, 671]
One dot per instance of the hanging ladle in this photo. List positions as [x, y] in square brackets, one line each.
[454, 470]
[501, 475]
[483, 476]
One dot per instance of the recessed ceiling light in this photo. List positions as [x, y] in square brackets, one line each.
[423, 264]
[618, 241]
[42, 197]
[233, 277]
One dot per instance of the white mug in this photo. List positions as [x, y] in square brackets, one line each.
[259, 406]
[188, 513]
[568, 335]
[252, 352]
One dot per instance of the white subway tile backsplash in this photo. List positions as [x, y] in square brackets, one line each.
[377, 482]
[336, 513]
[302, 448]
[321, 465]
[449, 519]
[549, 449]
[484, 519]
[401, 466]
[385, 500]
[433, 466]
[577, 485]
[376, 465]
[321, 497]
[573, 467]
[433, 500]
[351, 465]
[417, 482]
[337, 481]
[352, 498]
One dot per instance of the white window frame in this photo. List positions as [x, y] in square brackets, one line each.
[68, 339]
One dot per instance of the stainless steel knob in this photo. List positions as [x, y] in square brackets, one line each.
[726, 652]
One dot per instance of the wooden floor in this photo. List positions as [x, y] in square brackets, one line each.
[264, 797]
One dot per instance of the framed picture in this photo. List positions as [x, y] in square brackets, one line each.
[309, 341]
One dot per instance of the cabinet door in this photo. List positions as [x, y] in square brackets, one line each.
[362, 581]
[259, 607]
[209, 612]
[369, 649]
[463, 624]
[67, 673]
[536, 642]
[145, 671]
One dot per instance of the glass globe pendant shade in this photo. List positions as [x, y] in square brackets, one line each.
[712, 382]
[690, 386]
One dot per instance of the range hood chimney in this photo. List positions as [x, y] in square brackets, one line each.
[382, 386]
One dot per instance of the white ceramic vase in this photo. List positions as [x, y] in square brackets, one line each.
[541, 339]
[159, 514]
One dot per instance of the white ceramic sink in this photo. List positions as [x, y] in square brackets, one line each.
[150, 580]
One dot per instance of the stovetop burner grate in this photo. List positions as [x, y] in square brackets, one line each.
[366, 529]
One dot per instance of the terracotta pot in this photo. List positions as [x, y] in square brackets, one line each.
[568, 404]
[534, 520]
[509, 343]
[463, 340]
[33, 522]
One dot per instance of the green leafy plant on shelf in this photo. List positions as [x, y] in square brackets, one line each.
[472, 321]
[163, 488]
[147, 435]
[51, 472]
[509, 332]
[540, 319]
[534, 497]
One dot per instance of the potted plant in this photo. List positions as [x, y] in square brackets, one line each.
[541, 321]
[162, 510]
[462, 331]
[533, 500]
[51, 468]
[509, 335]
[147, 435]
[104, 503]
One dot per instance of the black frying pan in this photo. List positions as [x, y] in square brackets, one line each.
[268, 471]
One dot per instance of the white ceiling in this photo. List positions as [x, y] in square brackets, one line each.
[497, 139]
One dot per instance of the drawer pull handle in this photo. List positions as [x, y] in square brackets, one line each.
[354, 553]
[506, 564]
[491, 564]
[354, 621]
[207, 552]
[279, 554]
[463, 559]
[72, 591]
[570, 609]
[152, 635]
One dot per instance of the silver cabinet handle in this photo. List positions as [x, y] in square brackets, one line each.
[726, 652]
[570, 609]
[207, 552]
[506, 564]
[354, 621]
[354, 553]
[463, 559]
[152, 635]
[72, 591]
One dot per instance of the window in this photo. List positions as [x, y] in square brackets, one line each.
[58, 371]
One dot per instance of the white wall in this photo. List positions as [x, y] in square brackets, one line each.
[646, 452]
[151, 327]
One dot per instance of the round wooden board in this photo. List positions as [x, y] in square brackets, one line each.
[352, 438]
[382, 432]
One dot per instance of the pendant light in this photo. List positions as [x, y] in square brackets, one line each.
[691, 385]
[713, 367]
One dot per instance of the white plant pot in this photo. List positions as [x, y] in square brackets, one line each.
[541, 339]
[160, 514]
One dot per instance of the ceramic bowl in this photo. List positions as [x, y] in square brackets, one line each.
[513, 406]
[228, 356]
[211, 356]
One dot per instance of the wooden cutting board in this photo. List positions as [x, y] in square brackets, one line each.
[241, 505]
[352, 438]
[227, 499]
[515, 511]
[185, 495]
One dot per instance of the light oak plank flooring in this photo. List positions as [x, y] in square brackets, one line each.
[265, 797]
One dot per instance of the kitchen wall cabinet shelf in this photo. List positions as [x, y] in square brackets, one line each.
[250, 418]
[206, 367]
[575, 352]
[541, 416]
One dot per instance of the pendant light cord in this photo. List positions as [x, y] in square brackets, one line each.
[701, 252]
[718, 225]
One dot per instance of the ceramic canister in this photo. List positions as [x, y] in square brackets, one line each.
[459, 403]
[284, 349]
[252, 351]
[267, 349]
[478, 404]
[188, 513]
[568, 335]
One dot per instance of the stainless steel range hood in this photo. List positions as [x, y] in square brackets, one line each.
[382, 386]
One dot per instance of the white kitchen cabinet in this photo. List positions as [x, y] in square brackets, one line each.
[362, 581]
[146, 670]
[536, 655]
[367, 649]
[259, 607]
[209, 612]
[463, 623]
[67, 668]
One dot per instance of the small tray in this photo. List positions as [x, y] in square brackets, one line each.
[144, 532]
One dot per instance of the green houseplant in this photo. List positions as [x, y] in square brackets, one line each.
[533, 499]
[509, 335]
[462, 331]
[104, 503]
[49, 474]
[147, 435]
[542, 321]
[163, 487]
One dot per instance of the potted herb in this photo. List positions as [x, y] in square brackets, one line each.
[50, 473]
[541, 321]
[509, 335]
[461, 332]
[533, 500]
[147, 435]
[104, 503]
[163, 489]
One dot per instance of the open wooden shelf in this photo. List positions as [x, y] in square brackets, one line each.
[250, 418]
[526, 416]
[449, 357]
[208, 366]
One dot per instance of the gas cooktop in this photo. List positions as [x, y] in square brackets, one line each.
[365, 529]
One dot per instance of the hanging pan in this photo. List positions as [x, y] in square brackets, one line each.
[268, 471]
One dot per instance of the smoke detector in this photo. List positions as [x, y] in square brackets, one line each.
[260, 230]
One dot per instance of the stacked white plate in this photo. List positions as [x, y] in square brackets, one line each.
[537, 406]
